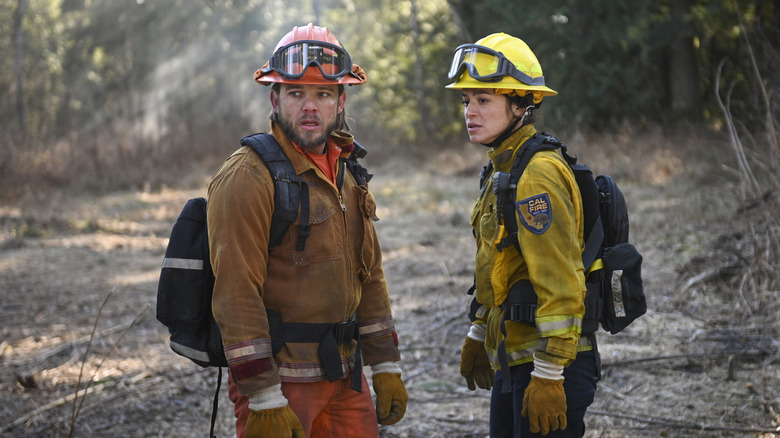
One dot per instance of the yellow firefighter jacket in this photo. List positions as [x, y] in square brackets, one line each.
[338, 275]
[550, 233]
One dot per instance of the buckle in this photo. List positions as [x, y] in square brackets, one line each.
[523, 313]
[344, 331]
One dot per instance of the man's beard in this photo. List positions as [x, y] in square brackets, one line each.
[311, 142]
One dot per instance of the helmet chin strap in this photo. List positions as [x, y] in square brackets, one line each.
[511, 128]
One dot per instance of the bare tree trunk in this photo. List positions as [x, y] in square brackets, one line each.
[463, 32]
[684, 86]
[419, 82]
[316, 6]
[18, 43]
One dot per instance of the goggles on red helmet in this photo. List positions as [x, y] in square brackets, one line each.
[292, 60]
[486, 65]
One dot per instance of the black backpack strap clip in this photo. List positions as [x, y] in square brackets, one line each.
[361, 175]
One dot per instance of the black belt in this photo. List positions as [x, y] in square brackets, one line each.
[328, 335]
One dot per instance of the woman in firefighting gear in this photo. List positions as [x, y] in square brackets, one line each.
[545, 369]
[286, 379]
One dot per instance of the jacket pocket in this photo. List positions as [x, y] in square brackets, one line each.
[366, 245]
[323, 242]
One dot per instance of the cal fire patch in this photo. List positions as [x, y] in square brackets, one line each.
[535, 213]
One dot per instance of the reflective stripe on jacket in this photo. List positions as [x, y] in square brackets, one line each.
[337, 275]
[551, 257]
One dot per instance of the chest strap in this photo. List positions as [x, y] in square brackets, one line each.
[328, 335]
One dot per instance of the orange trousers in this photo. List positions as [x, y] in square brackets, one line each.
[325, 409]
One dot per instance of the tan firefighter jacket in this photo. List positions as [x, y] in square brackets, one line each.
[550, 233]
[338, 275]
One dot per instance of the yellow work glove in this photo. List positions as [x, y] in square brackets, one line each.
[544, 401]
[274, 423]
[270, 416]
[475, 366]
[391, 397]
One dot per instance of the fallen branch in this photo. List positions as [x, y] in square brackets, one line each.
[91, 390]
[71, 344]
[672, 424]
[59, 402]
[679, 356]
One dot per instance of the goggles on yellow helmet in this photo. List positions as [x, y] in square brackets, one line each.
[292, 60]
[487, 65]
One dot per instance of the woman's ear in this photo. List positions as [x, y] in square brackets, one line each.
[517, 110]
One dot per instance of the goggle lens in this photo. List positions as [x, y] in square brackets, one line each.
[487, 65]
[294, 59]
[480, 63]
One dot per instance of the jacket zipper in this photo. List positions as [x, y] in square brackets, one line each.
[339, 183]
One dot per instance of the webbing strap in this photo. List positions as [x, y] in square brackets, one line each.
[305, 230]
[595, 266]
[215, 404]
[502, 359]
[592, 246]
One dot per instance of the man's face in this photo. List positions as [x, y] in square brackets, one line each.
[307, 113]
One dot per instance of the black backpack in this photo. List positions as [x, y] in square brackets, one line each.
[615, 294]
[187, 281]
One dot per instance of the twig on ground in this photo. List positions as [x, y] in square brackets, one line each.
[672, 424]
[77, 405]
[75, 413]
[679, 356]
[65, 345]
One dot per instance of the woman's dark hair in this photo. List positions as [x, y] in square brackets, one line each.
[526, 102]
[341, 118]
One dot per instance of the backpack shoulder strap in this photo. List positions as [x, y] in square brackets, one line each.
[505, 186]
[593, 225]
[289, 190]
[594, 231]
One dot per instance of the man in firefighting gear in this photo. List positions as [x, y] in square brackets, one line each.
[545, 369]
[336, 281]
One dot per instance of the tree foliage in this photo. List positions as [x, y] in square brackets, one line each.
[102, 84]
[638, 61]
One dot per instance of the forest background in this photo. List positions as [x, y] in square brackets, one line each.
[114, 112]
[105, 93]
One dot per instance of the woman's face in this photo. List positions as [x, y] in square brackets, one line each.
[487, 114]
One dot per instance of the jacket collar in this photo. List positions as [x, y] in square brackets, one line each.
[508, 149]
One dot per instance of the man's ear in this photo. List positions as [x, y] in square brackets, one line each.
[342, 101]
[274, 100]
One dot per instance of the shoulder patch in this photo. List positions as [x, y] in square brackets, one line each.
[535, 213]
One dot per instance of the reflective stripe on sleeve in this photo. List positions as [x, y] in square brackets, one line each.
[248, 350]
[250, 358]
[376, 327]
[555, 325]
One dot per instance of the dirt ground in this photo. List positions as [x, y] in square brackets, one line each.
[702, 362]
